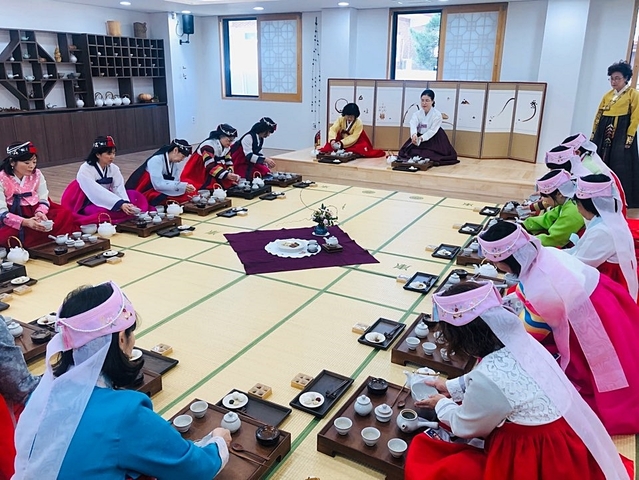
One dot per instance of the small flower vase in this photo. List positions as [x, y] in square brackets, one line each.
[320, 230]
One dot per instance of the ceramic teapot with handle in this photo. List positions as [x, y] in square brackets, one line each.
[99, 99]
[218, 193]
[105, 229]
[126, 100]
[108, 99]
[257, 180]
[17, 254]
[486, 270]
[419, 390]
[409, 421]
[117, 101]
[173, 208]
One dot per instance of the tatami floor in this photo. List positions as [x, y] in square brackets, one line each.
[230, 330]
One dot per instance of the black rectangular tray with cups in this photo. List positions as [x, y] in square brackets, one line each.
[272, 195]
[174, 231]
[471, 229]
[421, 282]
[490, 211]
[382, 333]
[248, 194]
[99, 259]
[331, 386]
[231, 212]
[303, 184]
[446, 251]
[259, 409]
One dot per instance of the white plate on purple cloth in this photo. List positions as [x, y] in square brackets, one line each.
[289, 248]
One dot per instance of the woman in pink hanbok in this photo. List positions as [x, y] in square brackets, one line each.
[25, 209]
[587, 318]
[99, 188]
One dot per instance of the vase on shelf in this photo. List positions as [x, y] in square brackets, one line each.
[73, 58]
[320, 230]
[57, 54]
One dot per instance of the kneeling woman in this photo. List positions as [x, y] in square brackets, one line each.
[607, 243]
[25, 208]
[247, 153]
[80, 424]
[589, 319]
[427, 137]
[348, 133]
[158, 178]
[535, 424]
[211, 163]
[99, 188]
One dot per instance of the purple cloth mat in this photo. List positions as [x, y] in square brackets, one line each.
[249, 247]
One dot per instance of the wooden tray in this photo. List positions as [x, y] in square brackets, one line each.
[390, 328]
[154, 362]
[261, 410]
[332, 248]
[248, 195]
[352, 446]
[426, 278]
[328, 158]
[31, 351]
[401, 355]
[403, 165]
[453, 249]
[16, 271]
[206, 209]
[272, 196]
[46, 251]
[271, 180]
[151, 384]
[324, 381]
[508, 215]
[8, 287]
[96, 260]
[239, 466]
[472, 259]
[473, 229]
[131, 227]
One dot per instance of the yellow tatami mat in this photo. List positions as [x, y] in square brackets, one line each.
[230, 330]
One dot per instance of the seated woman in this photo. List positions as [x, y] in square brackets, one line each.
[607, 243]
[535, 424]
[590, 320]
[348, 133]
[211, 163]
[80, 424]
[16, 384]
[99, 188]
[427, 138]
[247, 153]
[554, 227]
[25, 208]
[158, 178]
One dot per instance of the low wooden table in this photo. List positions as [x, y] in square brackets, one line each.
[130, 226]
[401, 355]
[30, 350]
[8, 287]
[352, 445]
[241, 466]
[205, 209]
[46, 251]
[472, 259]
[404, 165]
[151, 384]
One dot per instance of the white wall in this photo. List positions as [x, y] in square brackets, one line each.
[372, 53]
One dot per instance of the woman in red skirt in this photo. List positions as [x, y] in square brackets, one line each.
[25, 209]
[348, 133]
[607, 243]
[247, 152]
[535, 424]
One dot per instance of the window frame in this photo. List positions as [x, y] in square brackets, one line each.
[633, 29]
[225, 58]
[500, 8]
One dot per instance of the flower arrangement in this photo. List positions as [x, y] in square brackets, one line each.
[325, 216]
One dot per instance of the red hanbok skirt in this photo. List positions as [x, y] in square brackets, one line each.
[195, 173]
[153, 197]
[63, 222]
[74, 199]
[613, 271]
[9, 414]
[362, 147]
[512, 452]
[246, 169]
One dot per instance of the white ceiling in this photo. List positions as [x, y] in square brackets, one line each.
[225, 7]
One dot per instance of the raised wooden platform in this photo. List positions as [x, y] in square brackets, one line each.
[473, 179]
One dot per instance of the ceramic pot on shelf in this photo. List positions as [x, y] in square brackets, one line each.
[99, 99]
[79, 102]
[108, 99]
[117, 101]
[73, 58]
[126, 100]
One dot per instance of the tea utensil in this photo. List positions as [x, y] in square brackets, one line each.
[392, 333]
[402, 402]
[238, 447]
[399, 393]
[333, 393]
[247, 458]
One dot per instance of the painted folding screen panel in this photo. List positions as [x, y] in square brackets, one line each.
[528, 112]
[365, 99]
[500, 109]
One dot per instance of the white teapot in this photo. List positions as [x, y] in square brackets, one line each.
[409, 421]
[17, 254]
[418, 388]
[174, 209]
[106, 229]
[258, 181]
[486, 270]
[218, 193]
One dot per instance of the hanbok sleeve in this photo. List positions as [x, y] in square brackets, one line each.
[594, 248]
[118, 183]
[434, 123]
[483, 409]
[569, 221]
[634, 116]
[150, 445]
[43, 194]
[155, 167]
[541, 222]
[97, 194]
[335, 129]
[17, 382]
[9, 219]
[251, 151]
[414, 121]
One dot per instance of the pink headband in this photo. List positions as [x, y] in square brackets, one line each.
[551, 184]
[498, 250]
[576, 142]
[559, 158]
[114, 315]
[593, 189]
[463, 308]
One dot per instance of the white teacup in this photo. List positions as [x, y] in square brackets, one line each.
[412, 342]
[93, 239]
[182, 423]
[159, 208]
[397, 447]
[76, 235]
[47, 224]
[370, 435]
[343, 425]
[199, 408]
[135, 354]
[429, 348]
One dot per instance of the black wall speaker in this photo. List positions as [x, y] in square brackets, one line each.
[187, 24]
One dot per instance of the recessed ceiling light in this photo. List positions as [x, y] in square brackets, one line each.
[126, 4]
[186, 11]
[259, 9]
[343, 4]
